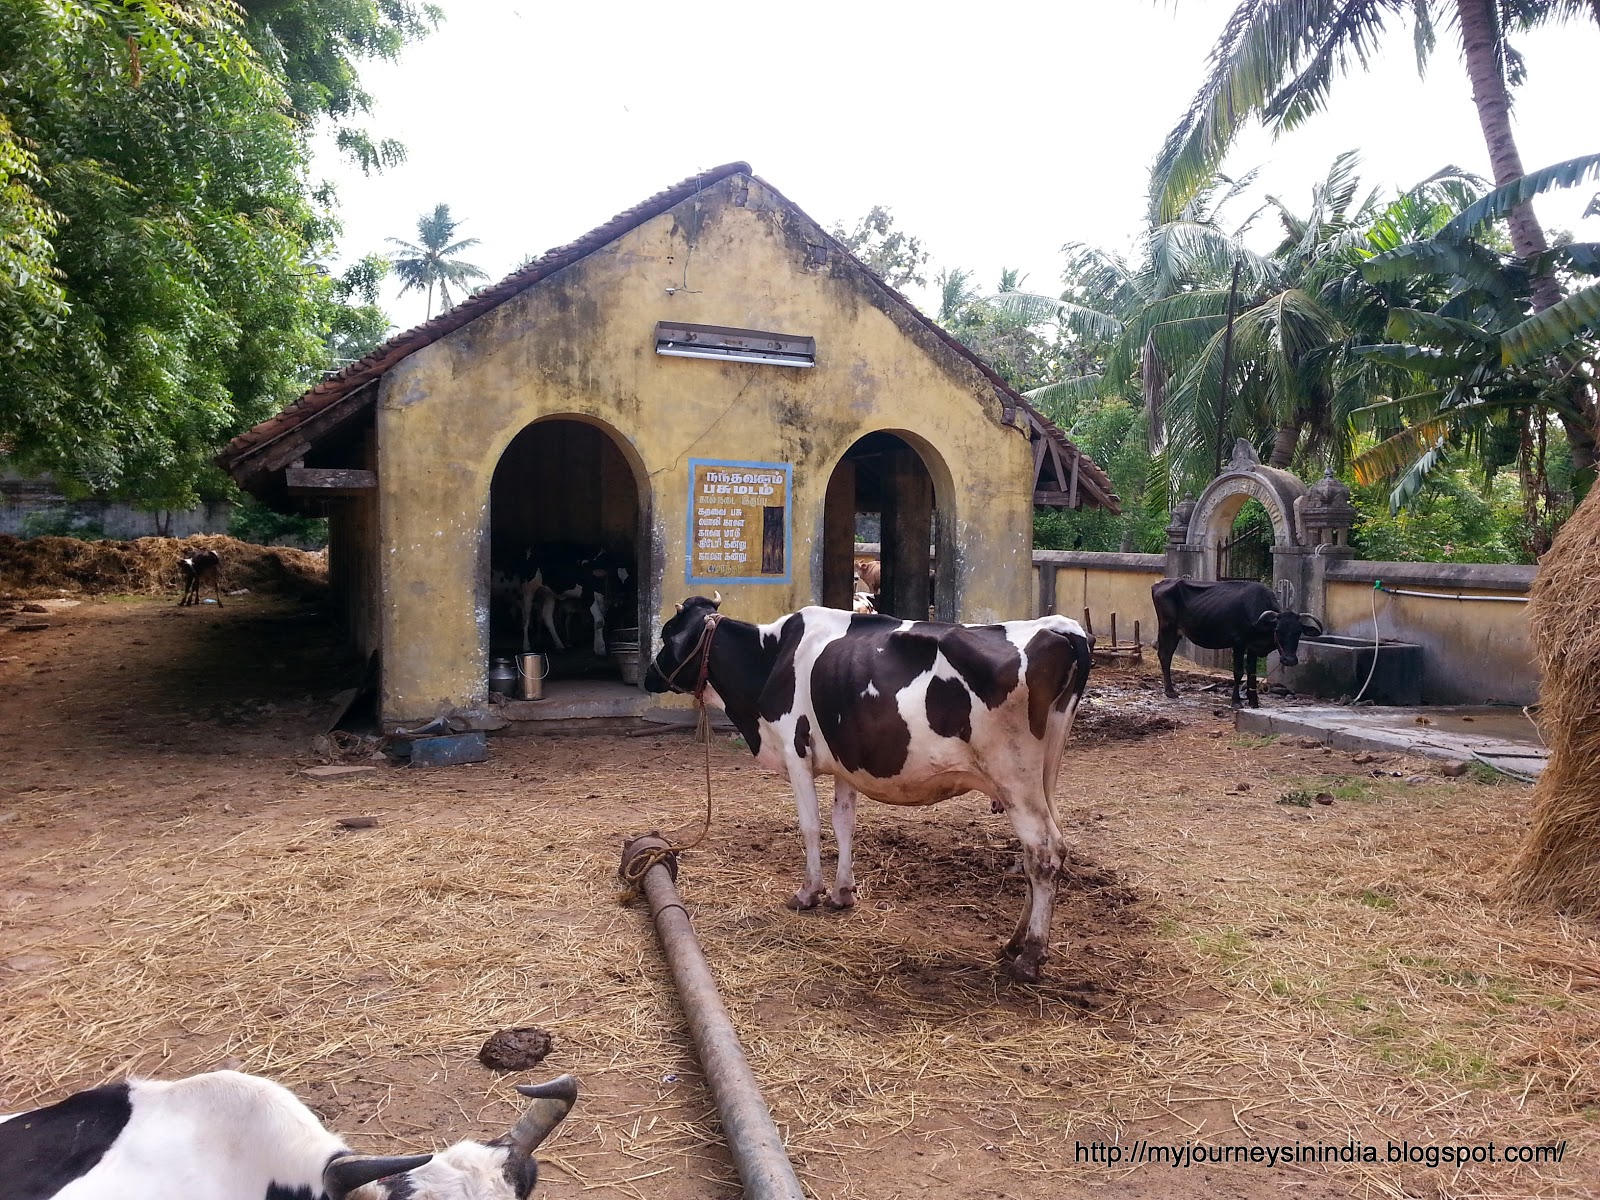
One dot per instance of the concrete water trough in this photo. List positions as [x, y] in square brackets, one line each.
[1334, 667]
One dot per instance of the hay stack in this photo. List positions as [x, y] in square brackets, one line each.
[45, 566]
[1559, 864]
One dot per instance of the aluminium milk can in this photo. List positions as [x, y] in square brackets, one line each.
[531, 670]
[502, 677]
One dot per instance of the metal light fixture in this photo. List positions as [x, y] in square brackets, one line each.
[677, 340]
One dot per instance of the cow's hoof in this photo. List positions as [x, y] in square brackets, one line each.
[1026, 967]
[803, 900]
[1236, 703]
[1172, 693]
[1254, 703]
[841, 900]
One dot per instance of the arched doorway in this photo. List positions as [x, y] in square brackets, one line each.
[567, 490]
[887, 487]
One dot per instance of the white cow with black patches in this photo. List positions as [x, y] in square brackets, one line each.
[904, 712]
[230, 1136]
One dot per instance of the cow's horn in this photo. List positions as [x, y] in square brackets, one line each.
[349, 1171]
[677, 608]
[716, 598]
[551, 1103]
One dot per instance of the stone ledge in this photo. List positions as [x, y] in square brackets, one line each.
[1489, 577]
[1149, 564]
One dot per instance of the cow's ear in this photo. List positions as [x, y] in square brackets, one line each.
[1267, 619]
[1310, 626]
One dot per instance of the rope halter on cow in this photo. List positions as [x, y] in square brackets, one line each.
[636, 867]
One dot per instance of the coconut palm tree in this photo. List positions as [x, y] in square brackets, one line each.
[1293, 374]
[1276, 60]
[432, 261]
[956, 291]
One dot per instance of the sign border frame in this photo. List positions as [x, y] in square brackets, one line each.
[689, 577]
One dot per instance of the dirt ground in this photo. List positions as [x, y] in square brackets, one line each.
[1260, 945]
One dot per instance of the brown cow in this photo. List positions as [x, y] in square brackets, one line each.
[869, 574]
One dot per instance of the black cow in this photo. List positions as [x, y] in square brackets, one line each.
[1228, 614]
[906, 712]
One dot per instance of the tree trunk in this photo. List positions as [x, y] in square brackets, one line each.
[1283, 446]
[1153, 379]
[1478, 46]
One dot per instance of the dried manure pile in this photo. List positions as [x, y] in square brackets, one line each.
[52, 566]
[1559, 864]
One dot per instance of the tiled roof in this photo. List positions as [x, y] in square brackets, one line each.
[363, 371]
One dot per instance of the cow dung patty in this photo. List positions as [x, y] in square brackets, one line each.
[516, 1049]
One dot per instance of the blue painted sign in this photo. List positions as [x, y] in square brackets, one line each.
[740, 522]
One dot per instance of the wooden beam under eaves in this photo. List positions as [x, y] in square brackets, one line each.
[328, 481]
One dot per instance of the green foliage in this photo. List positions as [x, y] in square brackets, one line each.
[1113, 434]
[158, 234]
[1483, 372]
[60, 522]
[182, 234]
[355, 322]
[315, 45]
[251, 521]
[1451, 520]
[892, 254]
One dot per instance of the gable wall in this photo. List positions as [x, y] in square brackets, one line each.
[581, 344]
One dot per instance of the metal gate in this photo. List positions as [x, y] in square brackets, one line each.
[1246, 555]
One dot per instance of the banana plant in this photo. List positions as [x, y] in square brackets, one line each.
[1484, 359]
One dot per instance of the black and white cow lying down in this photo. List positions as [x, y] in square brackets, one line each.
[906, 712]
[229, 1136]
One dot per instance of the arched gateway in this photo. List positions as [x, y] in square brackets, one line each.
[1242, 480]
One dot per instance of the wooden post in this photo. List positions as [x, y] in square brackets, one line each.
[1047, 588]
[839, 536]
[907, 528]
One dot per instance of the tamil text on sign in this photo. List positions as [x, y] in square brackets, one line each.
[739, 522]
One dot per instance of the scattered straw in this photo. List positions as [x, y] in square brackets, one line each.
[1224, 969]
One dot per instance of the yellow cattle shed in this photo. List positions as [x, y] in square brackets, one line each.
[710, 393]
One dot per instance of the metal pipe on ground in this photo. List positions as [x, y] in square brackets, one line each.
[753, 1139]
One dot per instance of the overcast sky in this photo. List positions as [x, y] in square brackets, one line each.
[994, 132]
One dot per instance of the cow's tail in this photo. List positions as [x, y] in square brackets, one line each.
[1064, 708]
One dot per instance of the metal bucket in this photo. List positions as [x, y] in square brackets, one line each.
[626, 657]
[502, 677]
[531, 670]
